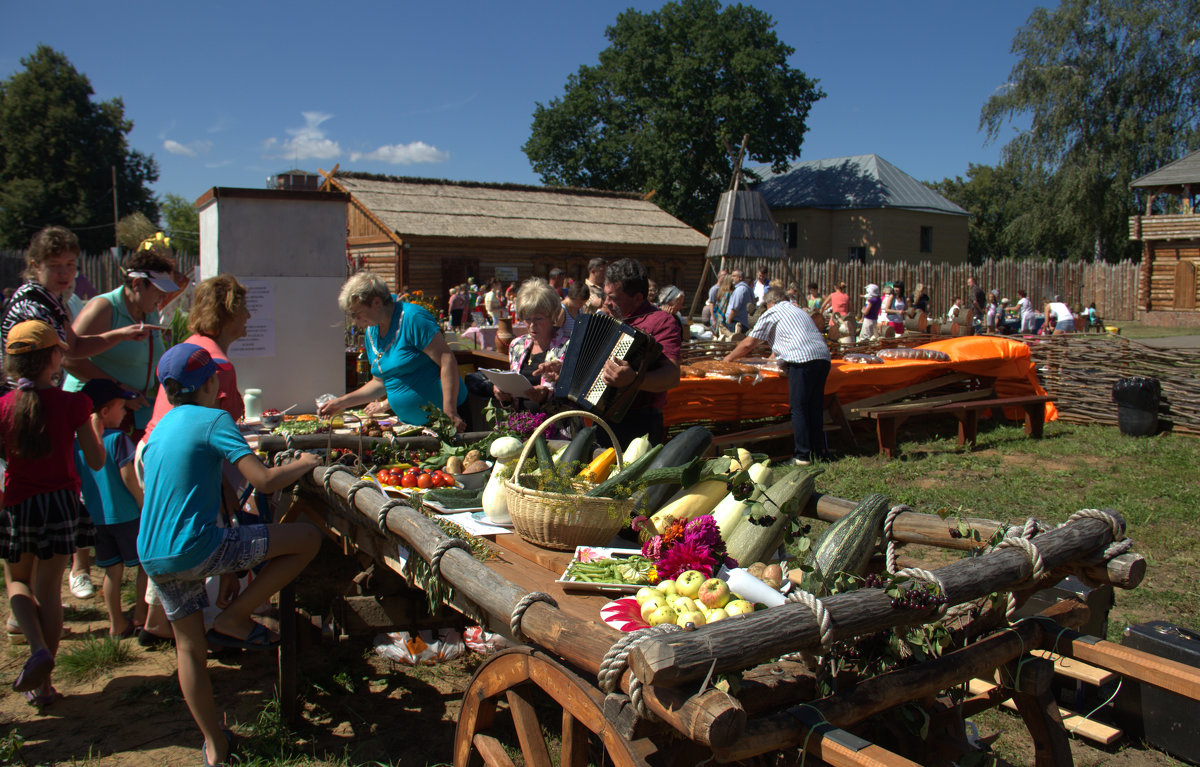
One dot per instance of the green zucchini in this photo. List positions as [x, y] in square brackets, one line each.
[454, 498]
[542, 450]
[750, 543]
[578, 452]
[847, 546]
[686, 446]
[626, 476]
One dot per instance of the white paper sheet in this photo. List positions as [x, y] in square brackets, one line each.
[507, 381]
[475, 523]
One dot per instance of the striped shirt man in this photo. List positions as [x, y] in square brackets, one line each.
[791, 333]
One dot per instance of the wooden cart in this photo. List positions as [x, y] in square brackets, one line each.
[651, 702]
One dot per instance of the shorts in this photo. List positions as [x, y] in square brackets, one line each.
[183, 593]
[85, 529]
[44, 525]
[117, 544]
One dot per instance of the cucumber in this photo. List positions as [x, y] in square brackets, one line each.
[627, 476]
[578, 452]
[847, 545]
[687, 445]
[455, 498]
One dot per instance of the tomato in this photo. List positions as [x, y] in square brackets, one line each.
[424, 481]
[444, 479]
[408, 480]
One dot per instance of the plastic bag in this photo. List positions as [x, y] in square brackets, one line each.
[421, 649]
[484, 642]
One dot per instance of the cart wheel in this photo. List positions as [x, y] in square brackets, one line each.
[526, 680]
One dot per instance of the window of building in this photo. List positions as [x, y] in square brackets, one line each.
[927, 239]
[857, 255]
[791, 233]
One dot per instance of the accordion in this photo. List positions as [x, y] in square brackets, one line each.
[596, 339]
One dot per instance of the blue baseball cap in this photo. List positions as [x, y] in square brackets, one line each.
[188, 365]
[102, 391]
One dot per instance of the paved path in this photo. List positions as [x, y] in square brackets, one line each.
[1173, 342]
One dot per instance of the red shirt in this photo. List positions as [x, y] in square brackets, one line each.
[65, 412]
[664, 328]
[229, 398]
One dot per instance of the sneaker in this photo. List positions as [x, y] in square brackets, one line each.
[15, 635]
[801, 462]
[81, 585]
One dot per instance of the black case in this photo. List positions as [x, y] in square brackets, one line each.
[1163, 719]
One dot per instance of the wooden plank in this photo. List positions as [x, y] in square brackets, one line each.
[1072, 722]
[920, 405]
[907, 391]
[492, 751]
[1077, 669]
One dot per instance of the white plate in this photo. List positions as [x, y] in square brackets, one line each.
[599, 552]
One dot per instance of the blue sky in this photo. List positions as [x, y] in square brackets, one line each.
[229, 93]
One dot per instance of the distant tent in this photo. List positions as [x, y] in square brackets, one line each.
[744, 227]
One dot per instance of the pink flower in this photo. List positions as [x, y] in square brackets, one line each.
[652, 549]
[686, 555]
[588, 555]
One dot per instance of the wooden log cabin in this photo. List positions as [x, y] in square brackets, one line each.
[1168, 291]
[431, 235]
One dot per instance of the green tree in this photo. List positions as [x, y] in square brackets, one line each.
[181, 222]
[669, 91]
[57, 151]
[1111, 89]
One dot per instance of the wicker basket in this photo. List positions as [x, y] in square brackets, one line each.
[559, 520]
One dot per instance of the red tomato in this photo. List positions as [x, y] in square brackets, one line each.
[444, 479]
[424, 481]
[408, 480]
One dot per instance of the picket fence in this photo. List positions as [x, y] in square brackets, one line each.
[102, 270]
[1112, 286]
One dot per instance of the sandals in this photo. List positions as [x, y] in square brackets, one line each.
[128, 632]
[36, 671]
[204, 750]
[146, 639]
[42, 700]
[258, 639]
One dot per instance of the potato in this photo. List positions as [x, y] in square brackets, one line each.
[756, 570]
[475, 467]
[471, 457]
[454, 465]
[773, 576]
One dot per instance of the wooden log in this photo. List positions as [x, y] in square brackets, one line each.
[1125, 571]
[1035, 703]
[712, 718]
[778, 729]
[683, 656]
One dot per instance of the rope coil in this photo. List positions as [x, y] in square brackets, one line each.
[889, 541]
[361, 484]
[820, 612]
[616, 661]
[329, 477]
[384, 510]
[518, 613]
[435, 561]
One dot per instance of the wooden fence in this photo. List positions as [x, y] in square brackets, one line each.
[1112, 286]
[102, 270]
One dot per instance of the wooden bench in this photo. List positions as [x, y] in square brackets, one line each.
[835, 422]
[889, 418]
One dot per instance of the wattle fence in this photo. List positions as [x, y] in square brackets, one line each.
[102, 270]
[1113, 287]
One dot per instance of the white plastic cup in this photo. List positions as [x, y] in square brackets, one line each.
[745, 585]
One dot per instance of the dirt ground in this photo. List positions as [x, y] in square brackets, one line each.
[357, 709]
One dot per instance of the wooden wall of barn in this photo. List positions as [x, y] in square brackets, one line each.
[887, 233]
[1170, 275]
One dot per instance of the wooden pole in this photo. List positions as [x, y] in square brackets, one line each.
[720, 647]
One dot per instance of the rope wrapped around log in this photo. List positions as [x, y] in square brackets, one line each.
[792, 627]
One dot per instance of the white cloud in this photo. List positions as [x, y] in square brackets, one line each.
[187, 150]
[403, 154]
[308, 142]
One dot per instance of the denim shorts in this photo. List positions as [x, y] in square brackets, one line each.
[241, 548]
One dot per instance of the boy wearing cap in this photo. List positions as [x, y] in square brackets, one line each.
[113, 498]
[180, 543]
[870, 312]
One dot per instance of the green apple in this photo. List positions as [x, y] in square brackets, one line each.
[695, 617]
[688, 583]
[684, 604]
[714, 592]
[716, 614]
[650, 605]
[663, 614]
[738, 607]
[645, 592]
[668, 587]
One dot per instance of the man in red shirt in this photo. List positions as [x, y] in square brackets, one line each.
[625, 286]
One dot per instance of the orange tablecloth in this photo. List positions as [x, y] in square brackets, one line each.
[713, 399]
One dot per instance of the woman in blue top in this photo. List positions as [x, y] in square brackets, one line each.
[410, 360]
[148, 281]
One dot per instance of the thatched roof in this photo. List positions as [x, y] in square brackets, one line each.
[1185, 170]
[421, 207]
[850, 183]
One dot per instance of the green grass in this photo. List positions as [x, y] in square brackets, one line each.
[1137, 330]
[92, 657]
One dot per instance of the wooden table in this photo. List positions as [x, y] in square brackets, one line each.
[889, 418]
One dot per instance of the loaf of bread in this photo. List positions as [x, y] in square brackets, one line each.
[863, 359]
[717, 367]
[901, 353]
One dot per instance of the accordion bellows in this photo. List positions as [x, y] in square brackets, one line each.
[596, 339]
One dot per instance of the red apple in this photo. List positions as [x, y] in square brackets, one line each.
[714, 593]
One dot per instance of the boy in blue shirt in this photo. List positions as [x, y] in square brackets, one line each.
[180, 543]
[113, 498]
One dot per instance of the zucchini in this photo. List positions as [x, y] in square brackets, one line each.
[730, 512]
[750, 543]
[636, 449]
[454, 498]
[542, 450]
[627, 476]
[687, 445]
[694, 501]
[847, 545]
[597, 471]
[578, 452]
